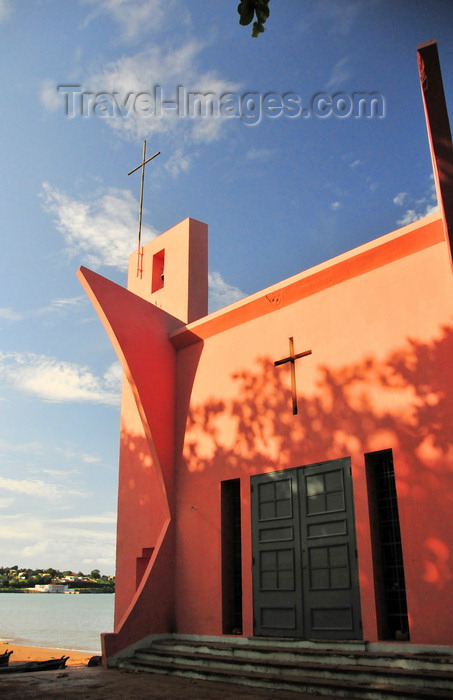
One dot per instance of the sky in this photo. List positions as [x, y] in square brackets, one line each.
[263, 139]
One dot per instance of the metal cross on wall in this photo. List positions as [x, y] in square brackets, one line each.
[140, 212]
[292, 359]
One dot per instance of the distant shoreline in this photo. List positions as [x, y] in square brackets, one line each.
[73, 591]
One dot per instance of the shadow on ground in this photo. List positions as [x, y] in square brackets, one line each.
[111, 684]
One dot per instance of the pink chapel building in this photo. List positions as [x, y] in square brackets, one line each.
[286, 463]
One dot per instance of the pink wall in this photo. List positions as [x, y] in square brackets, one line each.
[139, 333]
[379, 377]
[204, 403]
[169, 273]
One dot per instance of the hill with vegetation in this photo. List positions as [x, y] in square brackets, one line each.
[15, 579]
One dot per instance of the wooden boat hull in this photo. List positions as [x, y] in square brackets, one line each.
[29, 666]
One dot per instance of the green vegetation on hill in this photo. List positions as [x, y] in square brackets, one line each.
[13, 578]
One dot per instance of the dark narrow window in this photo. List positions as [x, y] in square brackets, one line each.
[158, 271]
[231, 557]
[391, 605]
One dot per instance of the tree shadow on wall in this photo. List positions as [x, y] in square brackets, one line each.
[403, 402]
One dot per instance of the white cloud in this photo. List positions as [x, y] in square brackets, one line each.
[422, 207]
[72, 454]
[61, 306]
[32, 550]
[19, 527]
[163, 64]
[260, 154]
[221, 293]
[35, 540]
[57, 381]
[340, 74]
[26, 447]
[135, 17]
[156, 72]
[102, 230]
[38, 488]
[355, 163]
[413, 215]
[50, 97]
[335, 205]
[113, 376]
[337, 18]
[108, 518]
[10, 315]
[399, 198]
[66, 303]
[53, 472]
[5, 9]
[177, 163]
[56, 306]
[208, 128]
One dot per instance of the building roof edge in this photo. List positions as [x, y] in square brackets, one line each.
[409, 239]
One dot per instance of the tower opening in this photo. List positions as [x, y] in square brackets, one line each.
[158, 271]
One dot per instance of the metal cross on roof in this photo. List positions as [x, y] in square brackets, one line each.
[142, 166]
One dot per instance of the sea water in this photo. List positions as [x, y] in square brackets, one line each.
[56, 620]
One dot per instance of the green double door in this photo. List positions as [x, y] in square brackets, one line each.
[305, 579]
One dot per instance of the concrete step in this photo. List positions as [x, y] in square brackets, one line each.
[290, 666]
[360, 673]
[313, 652]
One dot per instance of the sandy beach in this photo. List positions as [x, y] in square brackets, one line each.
[27, 653]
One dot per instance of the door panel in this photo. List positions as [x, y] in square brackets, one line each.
[277, 555]
[330, 581]
[304, 564]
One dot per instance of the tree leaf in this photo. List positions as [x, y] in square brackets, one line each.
[246, 9]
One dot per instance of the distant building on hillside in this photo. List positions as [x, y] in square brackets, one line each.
[50, 588]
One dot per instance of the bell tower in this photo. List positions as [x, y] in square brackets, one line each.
[173, 271]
